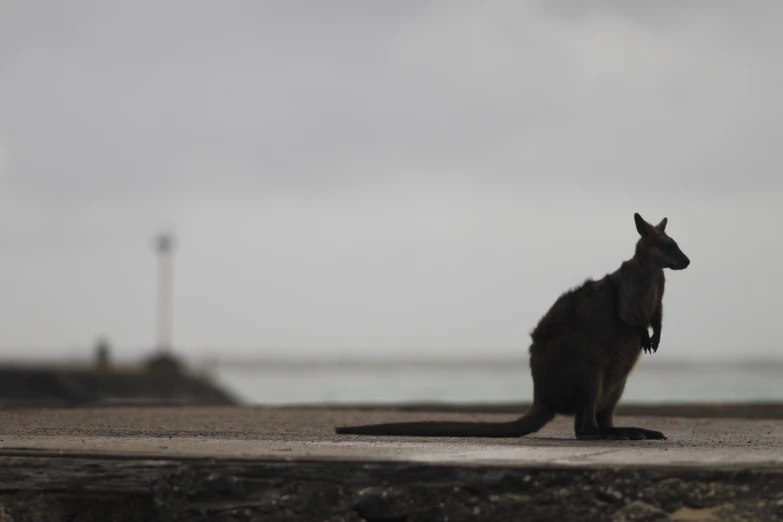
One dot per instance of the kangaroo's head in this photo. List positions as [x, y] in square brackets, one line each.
[656, 248]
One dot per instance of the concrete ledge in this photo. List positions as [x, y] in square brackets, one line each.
[243, 463]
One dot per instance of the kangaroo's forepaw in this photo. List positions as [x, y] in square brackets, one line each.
[645, 341]
[655, 341]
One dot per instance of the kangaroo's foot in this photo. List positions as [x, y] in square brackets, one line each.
[627, 433]
[648, 434]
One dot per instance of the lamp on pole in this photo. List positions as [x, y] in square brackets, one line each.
[164, 245]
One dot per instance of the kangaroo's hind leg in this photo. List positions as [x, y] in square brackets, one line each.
[586, 414]
[605, 417]
[585, 421]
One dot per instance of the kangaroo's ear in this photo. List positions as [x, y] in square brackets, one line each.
[641, 225]
[662, 225]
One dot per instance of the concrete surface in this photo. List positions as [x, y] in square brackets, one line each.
[307, 434]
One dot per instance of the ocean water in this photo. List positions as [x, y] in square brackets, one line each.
[278, 383]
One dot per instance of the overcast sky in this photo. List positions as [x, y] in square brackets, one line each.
[384, 178]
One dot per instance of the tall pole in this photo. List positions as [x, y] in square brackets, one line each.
[164, 246]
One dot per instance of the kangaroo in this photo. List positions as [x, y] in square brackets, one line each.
[583, 350]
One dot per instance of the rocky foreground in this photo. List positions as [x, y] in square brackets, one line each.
[88, 489]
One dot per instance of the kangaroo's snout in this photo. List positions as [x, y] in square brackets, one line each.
[683, 264]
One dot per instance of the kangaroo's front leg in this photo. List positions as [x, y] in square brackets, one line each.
[657, 323]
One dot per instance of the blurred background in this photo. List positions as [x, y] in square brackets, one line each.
[376, 202]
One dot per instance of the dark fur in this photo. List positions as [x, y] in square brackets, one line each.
[583, 350]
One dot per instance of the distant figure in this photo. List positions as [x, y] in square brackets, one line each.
[583, 350]
[102, 354]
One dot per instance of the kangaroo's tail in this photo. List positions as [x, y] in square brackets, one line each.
[532, 421]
